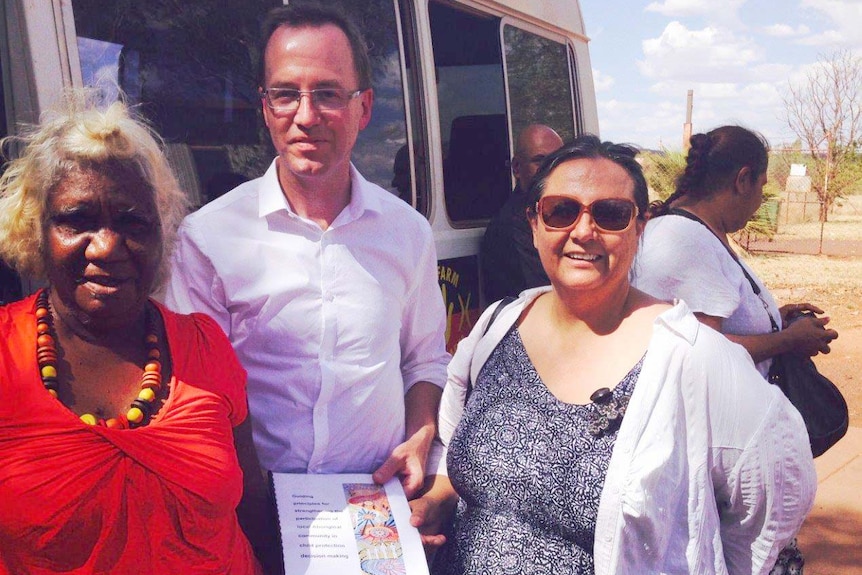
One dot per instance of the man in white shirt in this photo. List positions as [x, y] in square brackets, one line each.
[324, 282]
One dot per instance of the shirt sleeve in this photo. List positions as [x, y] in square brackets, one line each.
[423, 329]
[194, 285]
[764, 491]
[680, 259]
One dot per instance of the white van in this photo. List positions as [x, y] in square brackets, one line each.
[454, 81]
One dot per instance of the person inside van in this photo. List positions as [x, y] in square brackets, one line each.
[325, 283]
[508, 259]
[592, 428]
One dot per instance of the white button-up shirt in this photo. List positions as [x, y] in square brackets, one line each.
[333, 326]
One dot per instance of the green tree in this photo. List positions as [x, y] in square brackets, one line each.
[661, 169]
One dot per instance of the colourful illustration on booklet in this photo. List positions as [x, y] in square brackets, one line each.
[374, 527]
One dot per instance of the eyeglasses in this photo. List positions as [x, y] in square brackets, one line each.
[610, 214]
[286, 100]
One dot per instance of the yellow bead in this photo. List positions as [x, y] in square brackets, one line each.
[89, 419]
[49, 371]
[135, 415]
[147, 395]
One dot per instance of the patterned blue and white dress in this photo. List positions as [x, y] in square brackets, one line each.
[528, 471]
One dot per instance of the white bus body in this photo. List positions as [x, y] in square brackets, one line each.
[455, 81]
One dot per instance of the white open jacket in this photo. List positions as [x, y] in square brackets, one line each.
[711, 471]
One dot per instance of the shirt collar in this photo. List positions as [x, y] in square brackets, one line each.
[680, 320]
[272, 198]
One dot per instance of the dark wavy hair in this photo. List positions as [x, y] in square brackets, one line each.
[713, 161]
[588, 146]
[294, 16]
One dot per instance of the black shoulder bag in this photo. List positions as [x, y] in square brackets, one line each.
[817, 399]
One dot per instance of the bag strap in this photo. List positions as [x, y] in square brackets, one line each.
[500, 306]
[754, 287]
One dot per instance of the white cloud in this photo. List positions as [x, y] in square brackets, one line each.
[726, 11]
[786, 30]
[846, 18]
[601, 81]
[829, 38]
[644, 124]
[681, 8]
[707, 55]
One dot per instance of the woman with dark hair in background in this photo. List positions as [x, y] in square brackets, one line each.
[606, 431]
[686, 253]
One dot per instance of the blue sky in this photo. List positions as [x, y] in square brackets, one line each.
[737, 55]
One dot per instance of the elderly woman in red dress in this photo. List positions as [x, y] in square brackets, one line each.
[119, 418]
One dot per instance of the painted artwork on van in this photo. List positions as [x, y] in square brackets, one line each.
[459, 283]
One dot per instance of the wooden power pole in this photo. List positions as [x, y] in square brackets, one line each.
[686, 128]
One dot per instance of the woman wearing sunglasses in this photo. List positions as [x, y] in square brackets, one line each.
[605, 431]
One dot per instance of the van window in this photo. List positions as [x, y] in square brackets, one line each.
[190, 67]
[10, 284]
[4, 131]
[540, 87]
[472, 105]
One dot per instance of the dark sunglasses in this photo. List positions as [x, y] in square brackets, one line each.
[609, 215]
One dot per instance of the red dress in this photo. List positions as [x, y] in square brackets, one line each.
[160, 499]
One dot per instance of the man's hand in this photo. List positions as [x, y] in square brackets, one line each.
[433, 510]
[408, 459]
[408, 462]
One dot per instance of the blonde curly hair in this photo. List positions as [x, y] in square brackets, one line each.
[80, 133]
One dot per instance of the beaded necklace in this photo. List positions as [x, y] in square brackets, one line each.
[145, 404]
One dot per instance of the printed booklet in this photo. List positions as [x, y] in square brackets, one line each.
[346, 524]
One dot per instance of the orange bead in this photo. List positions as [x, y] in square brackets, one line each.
[154, 354]
[89, 419]
[112, 423]
[153, 366]
[53, 393]
[45, 340]
[41, 312]
[43, 327]
[135, 415]
[152, 339]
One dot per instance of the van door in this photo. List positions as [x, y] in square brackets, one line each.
[10, 283]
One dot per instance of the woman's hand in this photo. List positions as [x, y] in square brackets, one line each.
[808, 335]
[433, 510]
[791, 311]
